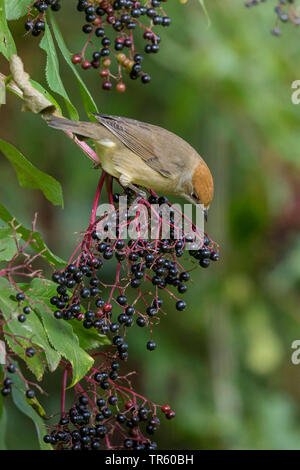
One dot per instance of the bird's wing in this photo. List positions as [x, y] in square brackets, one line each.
[160, 149]
[91, 130]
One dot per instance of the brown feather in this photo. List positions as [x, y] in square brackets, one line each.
[91, 130]
[162, 150]
[203, 184]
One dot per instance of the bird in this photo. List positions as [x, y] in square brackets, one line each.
[142, 154]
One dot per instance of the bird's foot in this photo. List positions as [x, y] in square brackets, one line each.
[141, 194]
[124, 182]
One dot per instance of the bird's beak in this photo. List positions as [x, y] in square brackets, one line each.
[205, 211]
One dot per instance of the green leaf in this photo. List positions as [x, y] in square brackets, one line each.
[88, 101]
[7, 44]
[3, 427]
[89, 339]
[3, 415]
[60, 332]
[202, 3]
[18, 345]
[36, 243]
[62, 338]
[16, 8]
[7, 244]
[25, 334]
[19, 399]
[30, 177]
[52, 72]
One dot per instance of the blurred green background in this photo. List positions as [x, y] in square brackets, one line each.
[224, 364]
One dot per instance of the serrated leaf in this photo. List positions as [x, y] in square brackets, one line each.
[30, 177]
[17, 345]
[19, 399]
[16, 8]
[52, 72]
[26, 333]
[7, 244]
[89, 339]
[42, 290]
[60, 333]
[36, 243]
[7, 44]
[62, 338]
[88, 101]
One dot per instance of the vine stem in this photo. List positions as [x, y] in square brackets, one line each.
[134, 394]
[97, 197]
[81, 390]
[109, 188]
[86, 44]
[116, 282]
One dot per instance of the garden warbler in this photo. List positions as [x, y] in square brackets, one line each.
[142, 154]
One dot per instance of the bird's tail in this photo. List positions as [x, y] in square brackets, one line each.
[91, 130]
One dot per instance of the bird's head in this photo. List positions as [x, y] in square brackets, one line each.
[201, 189]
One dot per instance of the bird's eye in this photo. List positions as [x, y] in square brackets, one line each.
[194, 196]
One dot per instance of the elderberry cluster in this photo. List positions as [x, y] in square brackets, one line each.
[108, 413]
[123, 16]
[37, 25]
[83, 295]
[8, 382]
[285, 11]
[90, 421]
[125, 19]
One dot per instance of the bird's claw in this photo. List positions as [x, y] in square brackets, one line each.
[141, 194]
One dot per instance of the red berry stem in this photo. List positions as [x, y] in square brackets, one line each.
[97, 197]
